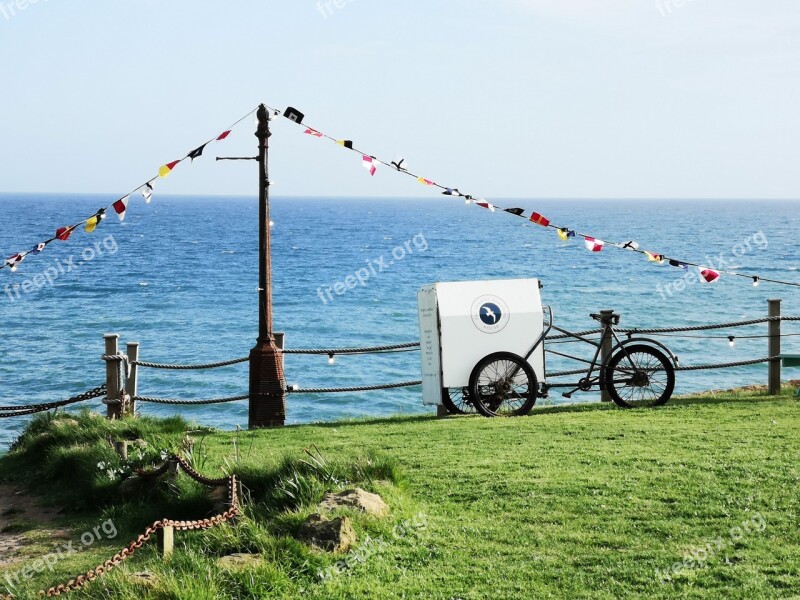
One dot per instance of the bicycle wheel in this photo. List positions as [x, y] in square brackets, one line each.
[639, 376]
[457, 401]
[503, 384]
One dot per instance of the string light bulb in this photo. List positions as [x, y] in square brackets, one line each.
[731, 341]
[331, 359]
[756, 281]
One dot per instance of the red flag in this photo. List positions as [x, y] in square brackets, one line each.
[708, 275]
[313, 132]
[540, 220]
[63, 233]
[223, 135]
[593, 245]
[120, 206]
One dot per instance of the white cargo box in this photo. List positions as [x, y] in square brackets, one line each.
[462, 322]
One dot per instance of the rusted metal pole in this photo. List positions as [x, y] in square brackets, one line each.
[774, 381]
[267, 381]
[605, 354]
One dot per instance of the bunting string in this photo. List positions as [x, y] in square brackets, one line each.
[371, 162]
[119, 206]
[706, 273]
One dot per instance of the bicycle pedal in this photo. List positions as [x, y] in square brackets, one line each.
[567, 395]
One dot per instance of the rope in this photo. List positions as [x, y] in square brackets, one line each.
[374, 350]
[366, 388]
[189, 402]
[729, 365]
[708, 327]
[19, 411]
[216, 365]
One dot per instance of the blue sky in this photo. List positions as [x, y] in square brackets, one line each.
[508, 98]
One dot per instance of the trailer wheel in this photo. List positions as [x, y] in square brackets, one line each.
[457, 401]
[503, 385]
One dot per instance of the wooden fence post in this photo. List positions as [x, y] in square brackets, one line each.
[605, 354]
[165, 538]
[113, 406]
[132, 382]
[774, 382]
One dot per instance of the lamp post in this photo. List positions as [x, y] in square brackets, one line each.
[267, 381]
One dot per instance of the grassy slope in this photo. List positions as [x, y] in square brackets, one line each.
[565, 503]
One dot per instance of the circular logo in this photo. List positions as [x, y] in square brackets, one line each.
[490, 314]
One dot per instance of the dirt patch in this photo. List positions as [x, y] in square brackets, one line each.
[17, 508]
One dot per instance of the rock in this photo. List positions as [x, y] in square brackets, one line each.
[239, 561]
[372, 504]
[330, 535]
[134, 486]
[145, 578]
[139, 443]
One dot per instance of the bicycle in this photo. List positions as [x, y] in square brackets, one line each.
[637, 373]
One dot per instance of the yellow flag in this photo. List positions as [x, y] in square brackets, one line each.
[91, 224]
[562, 233]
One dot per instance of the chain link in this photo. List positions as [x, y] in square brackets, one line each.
[136, 544]
[35, 408]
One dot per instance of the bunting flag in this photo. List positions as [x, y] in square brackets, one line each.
[197, 152]
[120, 206]
[369, 164]
[63, 233]
[398, 164]
[454, 192]
[13, 261]
[565, 234]
[91, 224]
[313, 132]
[166, 169]
[708, 275]
[679, 264]
[515, 211]
[147, 192]
[656, 258]
[424, 181]
[540, 220]
[631, 246]
[593, 244]
[346, 143]
[483, 204]
[294, 115]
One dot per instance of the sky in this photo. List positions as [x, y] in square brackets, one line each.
[644, 99]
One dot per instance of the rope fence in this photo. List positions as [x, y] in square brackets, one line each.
[119, 392]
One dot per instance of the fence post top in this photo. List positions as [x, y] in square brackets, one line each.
[111, 335]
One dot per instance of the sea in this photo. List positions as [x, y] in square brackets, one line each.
[180, 276]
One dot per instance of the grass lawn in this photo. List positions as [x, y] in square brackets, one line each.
[697, 499]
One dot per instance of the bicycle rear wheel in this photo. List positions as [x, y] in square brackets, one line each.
[503, 385]
[639, 376]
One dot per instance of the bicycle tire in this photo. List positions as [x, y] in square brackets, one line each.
[503, 384]
[642, 376]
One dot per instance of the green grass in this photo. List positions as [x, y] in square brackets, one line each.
[571, 502]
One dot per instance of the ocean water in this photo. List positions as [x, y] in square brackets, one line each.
[180, 276]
